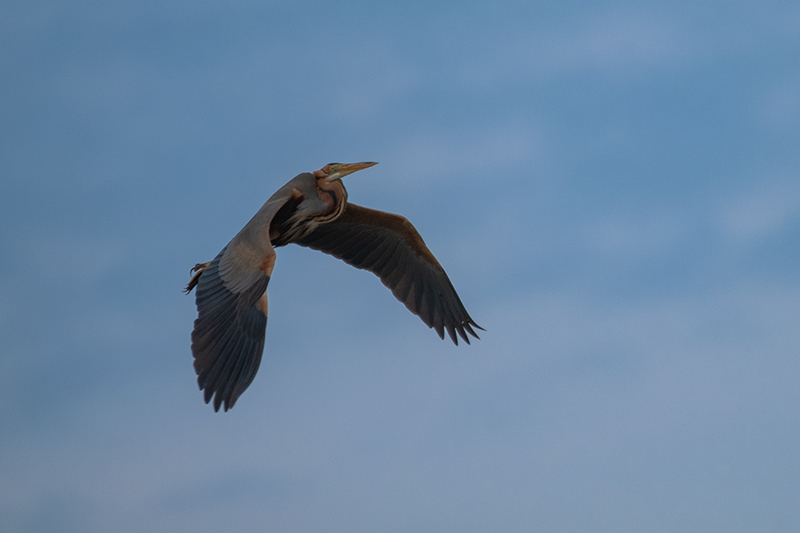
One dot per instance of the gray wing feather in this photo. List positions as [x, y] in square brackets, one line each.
[228, 336]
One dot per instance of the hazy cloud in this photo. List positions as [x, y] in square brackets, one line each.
[764, 209]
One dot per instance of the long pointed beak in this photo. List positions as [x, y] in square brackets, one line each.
[337, 171]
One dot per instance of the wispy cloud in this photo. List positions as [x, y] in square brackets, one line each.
[472, 155]
[764, 209]
[780, 105]
[610, 42]
[74, 259]
[640, 237]
[613, 42]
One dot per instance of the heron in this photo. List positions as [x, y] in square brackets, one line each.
[311, 210]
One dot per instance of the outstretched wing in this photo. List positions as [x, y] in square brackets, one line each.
[231, 298]
[228, 336]
[390, 247]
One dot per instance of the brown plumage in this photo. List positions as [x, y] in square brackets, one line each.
[311, 210]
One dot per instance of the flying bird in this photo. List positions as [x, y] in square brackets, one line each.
[311, 210]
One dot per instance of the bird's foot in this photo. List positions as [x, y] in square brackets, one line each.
[196, 271]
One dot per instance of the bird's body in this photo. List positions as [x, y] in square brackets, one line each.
[310, 210]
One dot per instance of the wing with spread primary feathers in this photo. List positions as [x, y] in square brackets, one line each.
[390, 247]
[231, 298]
[228, 336]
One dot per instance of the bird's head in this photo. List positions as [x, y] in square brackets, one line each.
[336, 171]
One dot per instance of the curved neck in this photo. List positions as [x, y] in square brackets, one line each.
[310, 212]
[334, 195]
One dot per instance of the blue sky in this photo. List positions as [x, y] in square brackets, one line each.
[613, 188]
